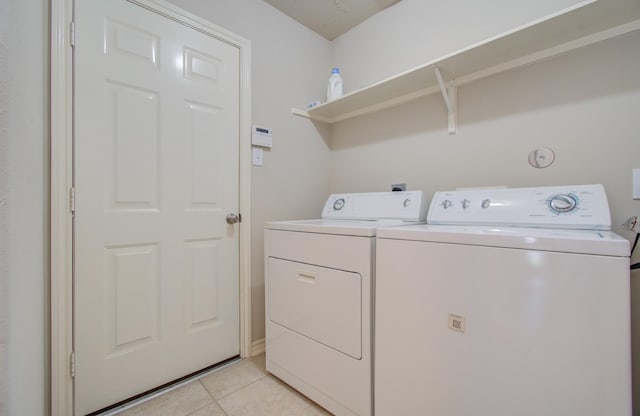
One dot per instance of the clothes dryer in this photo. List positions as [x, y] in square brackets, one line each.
[319, 282]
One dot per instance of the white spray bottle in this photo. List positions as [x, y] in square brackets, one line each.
[334, 88]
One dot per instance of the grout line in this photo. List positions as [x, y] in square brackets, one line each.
[168, 389]
[213, 400]
[205, 389]
[242, 387]
[244, 362]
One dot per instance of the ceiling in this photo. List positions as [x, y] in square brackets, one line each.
[330, 18]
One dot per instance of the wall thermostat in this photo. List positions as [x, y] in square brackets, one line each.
[261, 136]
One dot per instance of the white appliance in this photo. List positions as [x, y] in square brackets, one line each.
[319, 296]
[478, 314]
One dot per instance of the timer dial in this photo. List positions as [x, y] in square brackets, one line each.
[563, 203]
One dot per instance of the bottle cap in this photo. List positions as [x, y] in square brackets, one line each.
[335, 70]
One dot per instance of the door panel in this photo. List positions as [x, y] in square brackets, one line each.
[132, 114]
[156, 171]
[132, 297]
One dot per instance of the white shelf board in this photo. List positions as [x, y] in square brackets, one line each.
[583, 24]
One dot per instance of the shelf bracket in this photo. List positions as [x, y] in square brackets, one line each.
[450, 96]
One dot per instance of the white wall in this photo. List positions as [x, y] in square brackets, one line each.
[23, 207]
[413, 32]
[584, 105]
[290, 66]
[4, 195]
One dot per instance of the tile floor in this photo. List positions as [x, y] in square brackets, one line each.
[242, 389]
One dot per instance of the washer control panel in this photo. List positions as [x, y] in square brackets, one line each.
[573, 207]
[406, 206]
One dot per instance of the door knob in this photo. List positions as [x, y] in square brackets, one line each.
[232, 218]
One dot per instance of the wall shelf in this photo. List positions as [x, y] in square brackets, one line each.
[583, 24]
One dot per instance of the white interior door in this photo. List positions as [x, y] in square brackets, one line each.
[156, 171]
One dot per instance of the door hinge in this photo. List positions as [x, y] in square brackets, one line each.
[72, 200]
[72, 364]
[72, 33]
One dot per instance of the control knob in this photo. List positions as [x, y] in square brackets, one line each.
[563, 203]
[338, 204]
[446, 204]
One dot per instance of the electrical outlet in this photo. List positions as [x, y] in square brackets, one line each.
[632, 224]
[636, 183]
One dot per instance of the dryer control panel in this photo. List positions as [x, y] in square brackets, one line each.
[405, 206]
[572, 207]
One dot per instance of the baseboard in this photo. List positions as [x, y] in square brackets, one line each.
[257, 347]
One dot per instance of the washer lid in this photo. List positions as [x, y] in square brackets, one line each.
[595, 242]
[337, 227]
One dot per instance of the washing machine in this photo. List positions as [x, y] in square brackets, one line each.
[508, 302]
[319, 283]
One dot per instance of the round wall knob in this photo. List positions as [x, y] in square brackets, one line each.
[541, 157]
[232, 218]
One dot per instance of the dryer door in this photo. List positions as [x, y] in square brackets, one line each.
[320, 303]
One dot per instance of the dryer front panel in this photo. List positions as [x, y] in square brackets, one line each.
[320, 303]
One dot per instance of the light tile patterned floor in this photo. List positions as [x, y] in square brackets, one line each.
[241, 389]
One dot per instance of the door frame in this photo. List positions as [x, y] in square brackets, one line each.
[61, 232]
